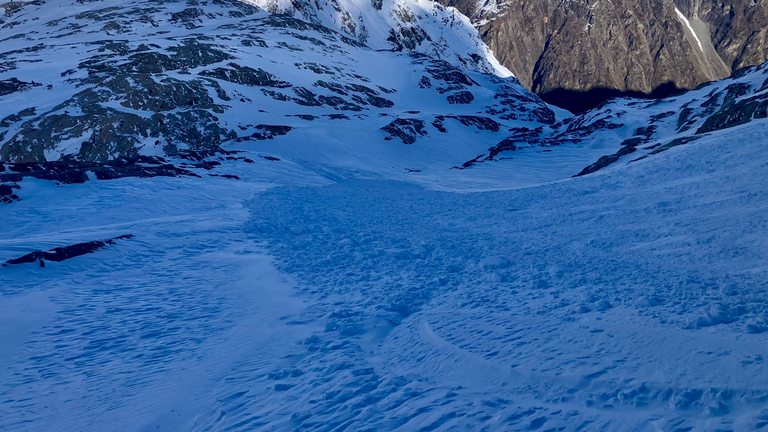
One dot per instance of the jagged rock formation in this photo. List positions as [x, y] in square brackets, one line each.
[646, 128]
[560, 47]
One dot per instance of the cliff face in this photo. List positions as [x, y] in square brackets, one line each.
[739, 29]
[556, 46]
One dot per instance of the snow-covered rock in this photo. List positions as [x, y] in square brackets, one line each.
[116, 79]
[423, 26]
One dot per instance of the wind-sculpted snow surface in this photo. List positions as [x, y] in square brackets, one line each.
[137, 334]
[582, 305]
[587, 304]
[329, 237]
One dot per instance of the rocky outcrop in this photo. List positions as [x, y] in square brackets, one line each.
[407, 130]
[422, 26]
[60, 254]
[126, 78]
[563, 50]
[645, 128]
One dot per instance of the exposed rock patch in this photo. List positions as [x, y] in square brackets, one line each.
[13, 85]
[60, 254]
[407, 130]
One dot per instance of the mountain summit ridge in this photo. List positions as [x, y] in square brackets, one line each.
[423, 26]
[629, 46]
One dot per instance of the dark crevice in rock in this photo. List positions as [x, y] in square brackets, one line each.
[469, 163]
[627, 147]
[674, 143]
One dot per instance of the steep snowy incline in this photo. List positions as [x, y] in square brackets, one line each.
[400, 25]
[630, 300]
[105, 80]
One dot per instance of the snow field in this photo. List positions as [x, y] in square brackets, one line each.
[630, 300]
[136, 336]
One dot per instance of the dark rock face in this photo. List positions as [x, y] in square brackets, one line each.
[8, 193]
[13, 85]
[739, 29]
[70, 171]
[64, 253]
[266, 132]
[481, 123]
[246, 76]
[640, 46]
[463, 98]
[407, 130]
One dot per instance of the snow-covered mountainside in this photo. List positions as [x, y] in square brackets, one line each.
[218, 218]
[413, 25]
[114, 80]
[637, 129]
[118, 79]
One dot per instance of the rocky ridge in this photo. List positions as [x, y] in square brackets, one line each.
[646, 128]
[564, 49]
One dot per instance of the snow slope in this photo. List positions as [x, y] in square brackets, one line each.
[633, 299]
[367, 270]
[417, 25]
[139, 334]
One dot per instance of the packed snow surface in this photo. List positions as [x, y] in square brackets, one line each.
[315, 298]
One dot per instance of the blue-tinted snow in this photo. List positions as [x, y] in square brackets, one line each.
[633, 299]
